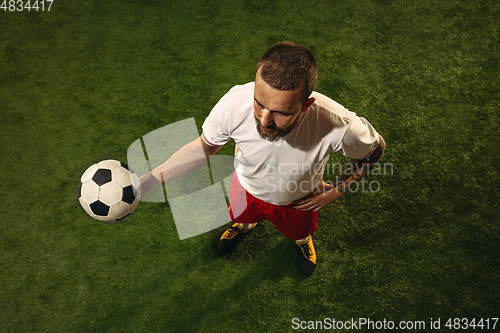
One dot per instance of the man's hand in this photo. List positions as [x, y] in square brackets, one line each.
[323, 195]
[190, 157]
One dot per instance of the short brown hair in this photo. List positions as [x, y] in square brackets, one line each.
[286, 65]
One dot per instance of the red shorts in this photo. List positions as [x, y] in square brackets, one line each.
[245, 208]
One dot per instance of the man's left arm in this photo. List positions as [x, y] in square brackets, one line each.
[325, 193]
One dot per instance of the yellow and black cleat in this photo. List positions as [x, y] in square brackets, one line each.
[307, 257]
[230, 238]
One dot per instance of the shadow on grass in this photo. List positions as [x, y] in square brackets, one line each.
[263, 257]
[184, 286]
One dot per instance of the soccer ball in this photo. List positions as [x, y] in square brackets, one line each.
[109, 191]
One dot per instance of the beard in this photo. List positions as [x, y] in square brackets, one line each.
[278, 133]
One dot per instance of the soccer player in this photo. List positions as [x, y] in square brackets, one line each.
[284, 133]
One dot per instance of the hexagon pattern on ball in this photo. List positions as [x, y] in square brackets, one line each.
[109, 191]
[102, 176]
[129, 194]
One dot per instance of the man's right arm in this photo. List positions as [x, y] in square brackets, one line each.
[188, 158]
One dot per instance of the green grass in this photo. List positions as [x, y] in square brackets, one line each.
[82, 82]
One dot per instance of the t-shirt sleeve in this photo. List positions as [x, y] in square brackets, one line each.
[215, 127]
[360, 139]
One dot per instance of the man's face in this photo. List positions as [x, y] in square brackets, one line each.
[277, 112]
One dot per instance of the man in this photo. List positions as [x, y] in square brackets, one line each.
[284, 132]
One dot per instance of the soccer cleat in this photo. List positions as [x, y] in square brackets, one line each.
[230, 238]
[307, 258]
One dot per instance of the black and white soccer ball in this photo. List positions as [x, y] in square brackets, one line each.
[109, 191]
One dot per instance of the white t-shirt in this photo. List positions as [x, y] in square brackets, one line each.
[283, 171]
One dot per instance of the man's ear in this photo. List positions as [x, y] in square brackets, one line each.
[308, 104]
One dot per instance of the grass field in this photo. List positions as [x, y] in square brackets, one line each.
[81, 82]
